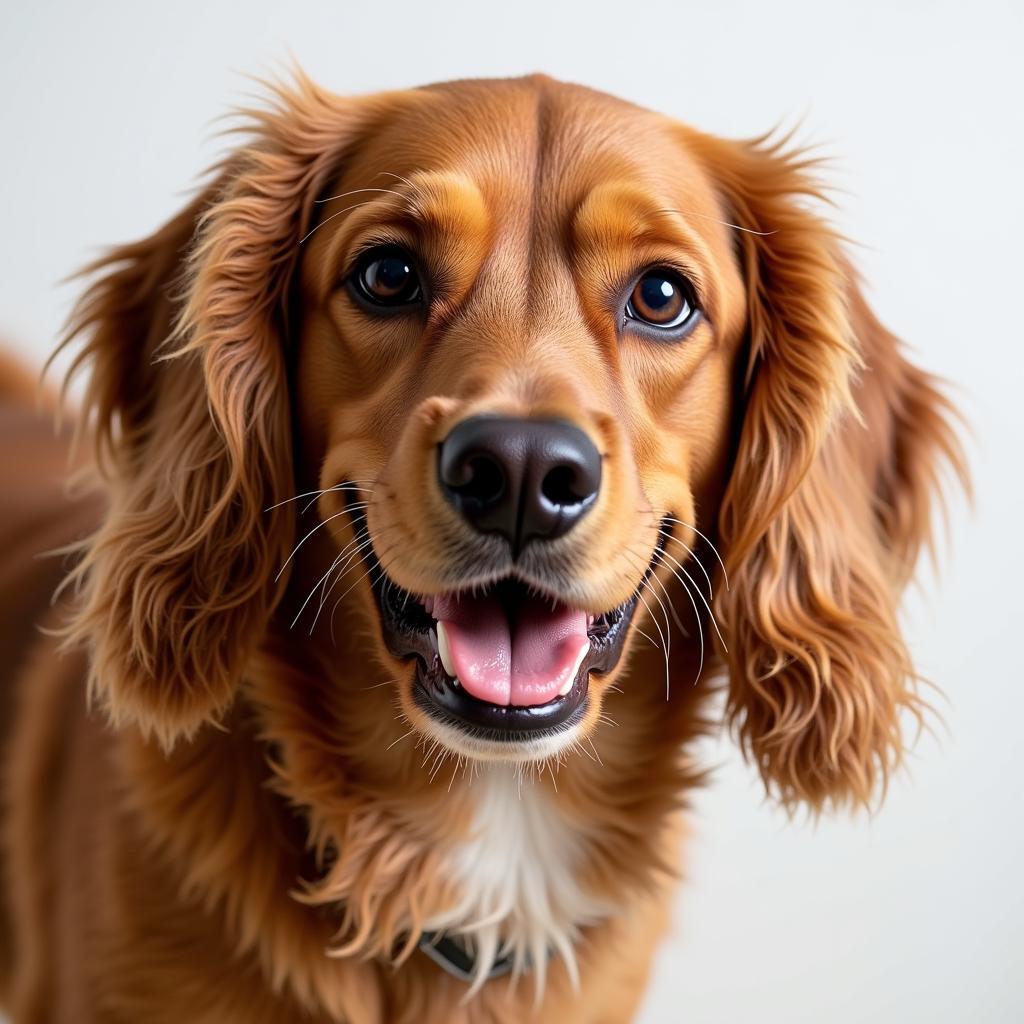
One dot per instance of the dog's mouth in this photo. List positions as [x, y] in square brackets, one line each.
[504, 662]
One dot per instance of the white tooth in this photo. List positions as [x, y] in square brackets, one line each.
[444, 650]
[572, 675]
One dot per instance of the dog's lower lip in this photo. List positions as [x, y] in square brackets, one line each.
[443, 698]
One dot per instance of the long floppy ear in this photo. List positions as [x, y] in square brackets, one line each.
[188, 404]
[838, 453]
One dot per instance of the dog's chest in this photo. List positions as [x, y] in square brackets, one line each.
[517, 875]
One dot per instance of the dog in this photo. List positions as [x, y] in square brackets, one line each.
[440, 458]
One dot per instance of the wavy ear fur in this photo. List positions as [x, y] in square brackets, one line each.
[188, 404]
[829, 500]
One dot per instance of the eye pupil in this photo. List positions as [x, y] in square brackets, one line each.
[658, 292]
[387, 278]
[661, 298]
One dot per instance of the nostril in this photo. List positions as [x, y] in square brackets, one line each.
[561, 486]
[483, 479]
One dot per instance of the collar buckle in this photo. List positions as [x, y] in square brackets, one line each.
[453, 957]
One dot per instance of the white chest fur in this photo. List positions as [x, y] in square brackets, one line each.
[517, 877]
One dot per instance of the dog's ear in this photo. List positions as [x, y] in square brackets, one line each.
[187, 401]
[838, 450]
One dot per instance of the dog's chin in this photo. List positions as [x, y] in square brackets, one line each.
[536, 749]
[501, 670]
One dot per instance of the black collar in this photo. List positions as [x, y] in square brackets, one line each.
[453, 957]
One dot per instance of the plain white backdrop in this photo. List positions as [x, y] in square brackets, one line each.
[917, 914]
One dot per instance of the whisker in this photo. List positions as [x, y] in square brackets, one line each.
[394, 743]
[645, 636]
[668, 597]
[356, 191]
[310, 534]
[428, 752]
[352, 587]
[377, 686]
[312, 591]
[657, 625]
[351, 560]
[700, 632]
[646, 582]
[338, 213]
[703, 537]
[337, 558]
[337, 487]
[439, 759]
[578, 748]
[413, 187]
[328, 490]
[724, 223]
[693, 556]
[359, 543]
[711, 613]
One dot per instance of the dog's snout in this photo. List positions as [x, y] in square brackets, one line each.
[520, 478]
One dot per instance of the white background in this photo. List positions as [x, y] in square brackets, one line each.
[106, 118]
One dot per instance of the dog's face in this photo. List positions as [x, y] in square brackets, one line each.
[515, 372]
[535, 352]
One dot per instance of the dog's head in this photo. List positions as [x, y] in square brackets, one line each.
[554, 372]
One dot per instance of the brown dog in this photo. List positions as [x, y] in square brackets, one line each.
[428, 435]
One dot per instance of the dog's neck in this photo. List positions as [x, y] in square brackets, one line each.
[338, 806]
[511, 860]
[518, 874]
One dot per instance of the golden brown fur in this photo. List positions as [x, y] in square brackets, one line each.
[242, 828]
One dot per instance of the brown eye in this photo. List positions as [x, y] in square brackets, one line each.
[386, 276]
[662, 299]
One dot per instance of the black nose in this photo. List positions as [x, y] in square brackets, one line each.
[520, 478]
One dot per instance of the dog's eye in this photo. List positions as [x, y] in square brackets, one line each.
[662, 299]
[386, 276]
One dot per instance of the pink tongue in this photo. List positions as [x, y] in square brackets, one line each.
[523, 667]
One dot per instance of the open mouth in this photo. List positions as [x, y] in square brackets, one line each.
[503, 662]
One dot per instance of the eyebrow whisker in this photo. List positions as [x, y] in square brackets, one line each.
[356, 191]
[413, 186]
[724, 223]
[347, 209]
